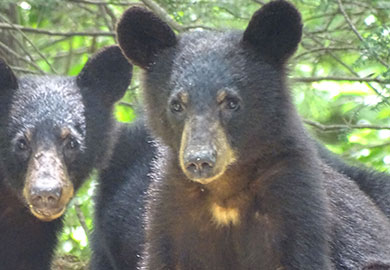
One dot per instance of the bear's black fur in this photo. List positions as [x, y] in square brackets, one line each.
[241, 185]
[118, 234]
[375, 184]
[53, 132]
[120, 199]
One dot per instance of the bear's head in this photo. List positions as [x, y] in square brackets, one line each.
[54, 130]
[218, 99]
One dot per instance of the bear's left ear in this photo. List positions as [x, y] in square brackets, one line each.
[8, 79]
[275, 30]
[108, 74]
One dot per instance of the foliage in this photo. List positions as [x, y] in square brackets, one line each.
[340, 74]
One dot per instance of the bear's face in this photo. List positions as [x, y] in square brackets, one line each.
[204, 102]
[212, 97]
[49, 141]
[46, 137]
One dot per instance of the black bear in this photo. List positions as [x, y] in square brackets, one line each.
[118, 234]
[240, 185]
[375, 184]
[53, 132]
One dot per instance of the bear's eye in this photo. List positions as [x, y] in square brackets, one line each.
[22, 144]
[72, 143]
[232, 104]
[176, 107]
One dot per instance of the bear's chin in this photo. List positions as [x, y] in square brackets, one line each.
[47, 214]
[205, 180]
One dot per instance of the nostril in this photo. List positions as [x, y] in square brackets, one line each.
[51, 199]
[45, 198]
[192, 167]
[37, 198]
[206, 165]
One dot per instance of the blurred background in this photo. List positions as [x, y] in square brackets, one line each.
[339, 77]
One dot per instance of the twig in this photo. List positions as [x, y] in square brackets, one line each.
[31, 43]
[343, 127]
[343, 64]
[160, 12]
[111, 15]
[68, 60]
[78, 51]
[379, 145]
[19, 57]
[349, 48]
[23, 70]
[81, 217]
[23, 48]
[259, 2]
[335, 78]
[103, 13]
[114, 3]
[341, 7]
[53, 33]
[127, 104]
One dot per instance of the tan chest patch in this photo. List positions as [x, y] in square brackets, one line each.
[225, 216]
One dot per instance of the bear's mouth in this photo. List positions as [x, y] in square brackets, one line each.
[46, 214]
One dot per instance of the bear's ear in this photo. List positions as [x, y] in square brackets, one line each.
[107, 74]
[8, 80]
[275, 30]
[141, 35]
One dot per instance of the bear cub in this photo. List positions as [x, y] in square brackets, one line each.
[53, 131]
[240, 185]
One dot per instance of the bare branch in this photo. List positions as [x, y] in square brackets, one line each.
[53, 33]
[31, 43]
[103, 3]
[342, 127]
[127, 104]
[341, 7]
[343, 64]
[160, 12]
[322, 49]
[19, 57]
[81, 217]
[23, 70]
[336, 78]
[259, 2]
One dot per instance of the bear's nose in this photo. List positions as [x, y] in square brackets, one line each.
[200, 164]
[45, 195]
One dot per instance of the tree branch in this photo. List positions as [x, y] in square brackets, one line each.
[81, 218]
[31, 43]
[102, 3]
[21, 58]
[53, 33]
[342, 127]
[160, 12]
[343, 64]
[335, 78]
[352, 26]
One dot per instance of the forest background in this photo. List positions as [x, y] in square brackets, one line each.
[339, 77]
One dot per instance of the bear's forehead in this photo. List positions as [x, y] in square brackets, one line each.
[40, 99]
[206, 60]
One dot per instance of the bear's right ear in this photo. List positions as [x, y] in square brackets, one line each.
[8, 79]
[107, 74]
[141, 35]
[275, 30]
